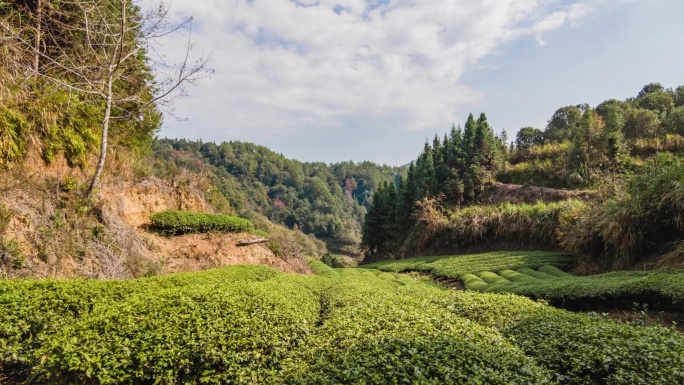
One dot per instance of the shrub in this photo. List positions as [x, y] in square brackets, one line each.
[338, 261]
[648, 146]
[587, 350]
[251, 324]
[260, 233]
[275, 247]
[540, 172]
[540, 151]
[5, 216]
[12, 136]
[173, 222]
[11, 254]
[649, 216]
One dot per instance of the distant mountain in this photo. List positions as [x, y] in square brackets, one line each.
[327, 200]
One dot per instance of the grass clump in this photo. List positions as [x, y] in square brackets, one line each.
[540, 151]
[644, 147]
[173, 222]
[522, 224]
[646, 220]
[505, 225]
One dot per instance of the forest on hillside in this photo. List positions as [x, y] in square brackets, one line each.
[326, 200]
[60, 95]
[627, 155]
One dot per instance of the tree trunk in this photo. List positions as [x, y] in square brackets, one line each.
[103, 144]
[39, 23]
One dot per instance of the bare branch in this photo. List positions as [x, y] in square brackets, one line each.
[112, 38]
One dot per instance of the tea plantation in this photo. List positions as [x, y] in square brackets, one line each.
[254, 325]
[540, 275]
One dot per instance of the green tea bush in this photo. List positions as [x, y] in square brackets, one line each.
[174, 222]
[513, 275]
[492, 278]
[535, 274]
[554, 271]
[580, 349]
[221, 334]
[456, 266]
[660, 290]
[254, 325]
[389, 335]
[576, 348]
[540, 275]
[473, 282]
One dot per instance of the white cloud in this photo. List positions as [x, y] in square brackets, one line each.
[283, 66]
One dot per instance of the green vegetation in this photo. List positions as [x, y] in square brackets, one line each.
[457, 266]
[541, 275]
[634, 215]
[338, 261]
[647, 219]
[45, 105]
[582, 146]
[616, 233]
[173, 222]
[521, 225]
[328, 201]
[620, 289]
[455, 171]
[251, 324]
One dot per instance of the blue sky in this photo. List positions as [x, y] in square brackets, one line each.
[371, 80]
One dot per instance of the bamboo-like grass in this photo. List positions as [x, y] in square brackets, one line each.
[648, 219]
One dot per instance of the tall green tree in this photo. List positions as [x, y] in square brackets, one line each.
[529, 136]
[564, 123]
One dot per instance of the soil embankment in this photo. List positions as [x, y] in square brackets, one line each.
[49, 231]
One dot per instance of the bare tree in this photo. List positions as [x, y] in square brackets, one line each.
[115, 38]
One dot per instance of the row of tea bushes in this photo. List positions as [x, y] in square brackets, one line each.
[174, 222]
[251, 324]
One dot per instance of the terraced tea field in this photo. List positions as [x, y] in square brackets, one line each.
[541, 275]
[254, 325]
[456, 266]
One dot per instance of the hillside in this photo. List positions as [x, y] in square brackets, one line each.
[80, 105]
[128, 259]
[49, 230]
[325, 200]
[602, 183]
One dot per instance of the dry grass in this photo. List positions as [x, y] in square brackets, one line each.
[669, 143]
[489, 226]
[648, 219]
[544, 151]
[516, 194]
